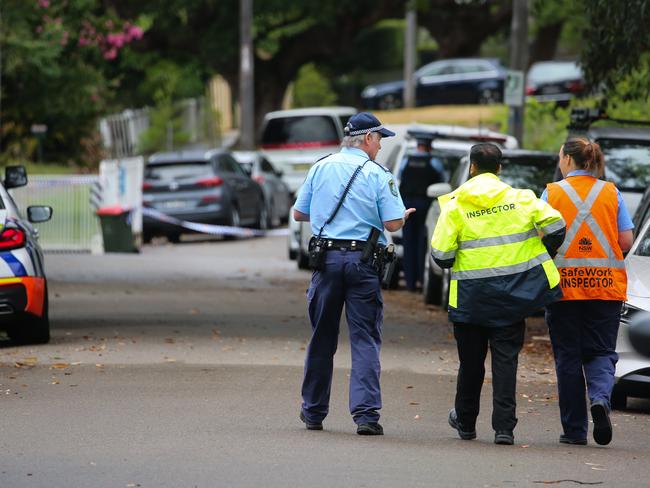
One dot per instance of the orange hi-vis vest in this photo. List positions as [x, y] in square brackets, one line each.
[590, 260]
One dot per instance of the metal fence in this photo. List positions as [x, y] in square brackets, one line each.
[74, 226]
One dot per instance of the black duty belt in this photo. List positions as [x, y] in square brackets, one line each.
[339, 244]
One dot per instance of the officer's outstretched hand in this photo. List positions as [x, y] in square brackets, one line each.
[408, 212]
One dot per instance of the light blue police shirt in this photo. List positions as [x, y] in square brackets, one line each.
[623, 220]
[372, 200]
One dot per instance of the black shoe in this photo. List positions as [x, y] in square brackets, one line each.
[504, 437]
[372, 428]
[310, 425]
[575, 442]
[466, 435]
[602, 424]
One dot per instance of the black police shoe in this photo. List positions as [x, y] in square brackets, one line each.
[310, 425]
[602, 424]
[504, 437]
[372, 428]
[575, 442]
[466, 435]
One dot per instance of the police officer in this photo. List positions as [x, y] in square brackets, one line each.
[418, 170]
[501, 271]
[373, 201]
[583, 326]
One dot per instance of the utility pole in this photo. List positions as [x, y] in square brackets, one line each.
[410, 39]
[518, 63]
[246, 77]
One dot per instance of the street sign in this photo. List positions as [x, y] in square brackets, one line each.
[513, 89]
[38, 128]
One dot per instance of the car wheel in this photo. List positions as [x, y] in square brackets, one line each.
[234, 221]
[262, 222]
[619, 399]
[30, 329]
[489, 96]
[444, 289]
[303, 260]
[147, 237]
[431, 286]
[174, 237]
[389, 102]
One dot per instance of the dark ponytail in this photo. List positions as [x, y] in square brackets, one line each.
[586, 154]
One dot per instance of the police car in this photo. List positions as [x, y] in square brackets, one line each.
[23, 285]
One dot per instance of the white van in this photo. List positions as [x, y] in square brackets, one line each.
[293, 140]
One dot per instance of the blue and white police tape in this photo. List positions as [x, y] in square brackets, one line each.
[217, 230]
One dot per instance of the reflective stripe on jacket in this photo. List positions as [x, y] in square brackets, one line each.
[590, 261]
[501, 271]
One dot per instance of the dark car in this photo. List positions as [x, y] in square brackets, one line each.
[200, 186]
[276, 192]
[24, 305]
[519, 169]
[554, 81]
[449, 81]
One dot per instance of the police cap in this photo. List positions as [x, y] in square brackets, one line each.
[363, 123]
[422, 137]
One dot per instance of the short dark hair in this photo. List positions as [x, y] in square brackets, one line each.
[486, 156]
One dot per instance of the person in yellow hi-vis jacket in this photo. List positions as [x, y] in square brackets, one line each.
[499, 243]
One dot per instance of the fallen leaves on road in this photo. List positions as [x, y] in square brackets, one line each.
[60, 366]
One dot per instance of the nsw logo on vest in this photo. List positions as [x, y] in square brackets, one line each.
[585, 244]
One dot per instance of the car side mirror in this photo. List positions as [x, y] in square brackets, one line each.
[15, 176]
[39, 213]
[639, 333]
[438, 189]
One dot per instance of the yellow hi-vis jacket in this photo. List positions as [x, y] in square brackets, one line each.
[489, 234]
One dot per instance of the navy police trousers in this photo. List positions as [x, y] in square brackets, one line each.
[583, 334]
[415, 241]
[344, 281]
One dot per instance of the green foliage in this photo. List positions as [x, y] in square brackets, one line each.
[164, 131]
[615, 37]
[312, 89]
[545, 126]
[57, 59]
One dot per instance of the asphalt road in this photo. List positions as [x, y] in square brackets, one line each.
[181, 367]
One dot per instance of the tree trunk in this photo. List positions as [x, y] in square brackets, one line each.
[545, 44]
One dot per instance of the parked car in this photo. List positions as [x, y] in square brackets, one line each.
[626, 149]
[200, 186]
[555, 81]
[519, 168]
[449, 81]
[633, 370]
[293, 140]
[277, 196]
[24, 304]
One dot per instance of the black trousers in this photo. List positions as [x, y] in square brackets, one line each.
[505, 344]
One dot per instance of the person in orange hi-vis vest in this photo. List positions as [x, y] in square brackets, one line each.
[584, 325]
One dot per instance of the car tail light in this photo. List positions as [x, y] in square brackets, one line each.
[11, 239]
[530, 90]
[575, 86]
[210, 182]
[146, 186]
[259, 179]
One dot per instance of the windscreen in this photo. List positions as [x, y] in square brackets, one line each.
[525, 172]
[296, 132]
[627, 163]
[177, 171]
[643, 249]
